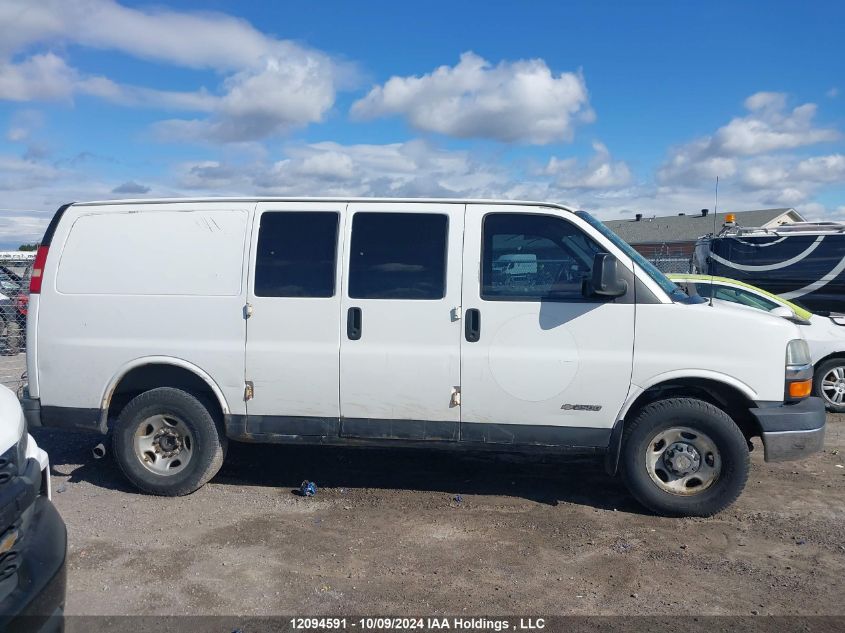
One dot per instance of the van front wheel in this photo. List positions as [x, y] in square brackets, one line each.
[684, 457]
[167, 442]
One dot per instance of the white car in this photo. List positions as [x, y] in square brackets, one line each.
[33, 539]
[183, 324]
[825, 335]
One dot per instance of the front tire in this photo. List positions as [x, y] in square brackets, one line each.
[684, 457]
[168, 443]
[829, 384]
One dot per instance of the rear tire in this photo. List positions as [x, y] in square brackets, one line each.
[684, 457]
[829, 384]
[168, 443]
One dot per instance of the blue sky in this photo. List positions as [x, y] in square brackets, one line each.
[615, 107]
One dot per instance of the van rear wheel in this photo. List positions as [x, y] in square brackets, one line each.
[168, 443]
[684, 457]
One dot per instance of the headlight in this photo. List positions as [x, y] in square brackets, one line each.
[797, 352]
[799, 370]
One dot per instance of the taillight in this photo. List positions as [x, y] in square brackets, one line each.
[38, 270]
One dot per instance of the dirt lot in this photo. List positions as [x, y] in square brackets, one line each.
[385, 535]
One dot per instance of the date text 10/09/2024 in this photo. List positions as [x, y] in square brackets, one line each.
[478, 624]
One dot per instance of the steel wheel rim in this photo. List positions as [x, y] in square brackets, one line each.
[682, 461]
[833, 386]
[163, 444]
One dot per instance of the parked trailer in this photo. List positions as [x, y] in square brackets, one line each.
[802, 262]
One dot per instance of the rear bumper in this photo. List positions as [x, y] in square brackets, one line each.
[61, 417]
[31, 410]
[791, 431]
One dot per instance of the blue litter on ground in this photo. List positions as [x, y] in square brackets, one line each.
[308, 489]
[459, 498]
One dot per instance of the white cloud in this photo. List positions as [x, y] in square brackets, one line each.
[769, 127]
[755, 155]
[519, 101]
[414, 168]
[418, 168]
[190, 39]
[40, 77]
[763, 101]
[269, 85]
[198, 100]
[600, 172]
[822, 169]
[690, 164]
[261, 101]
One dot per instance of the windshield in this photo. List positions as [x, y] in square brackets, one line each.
[675, 293]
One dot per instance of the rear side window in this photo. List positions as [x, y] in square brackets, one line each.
[398, 256]
[296, 254]
[154, 252]
[528, 257]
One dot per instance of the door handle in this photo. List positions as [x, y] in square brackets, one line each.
[472, 329]
[353, 324]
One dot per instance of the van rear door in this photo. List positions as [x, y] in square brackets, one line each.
[400, 341]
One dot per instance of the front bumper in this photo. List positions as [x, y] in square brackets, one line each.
[791, 431]
[33, 595]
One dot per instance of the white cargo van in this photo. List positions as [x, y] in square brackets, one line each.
[178, 325]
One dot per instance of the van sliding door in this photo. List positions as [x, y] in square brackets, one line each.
[293, 329]
[400, 321]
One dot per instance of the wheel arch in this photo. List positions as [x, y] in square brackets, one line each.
[149, 372]
[732, 396]
[831, 356]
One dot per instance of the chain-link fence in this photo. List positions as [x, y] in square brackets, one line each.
[15, 270]
[671, 264]
[669, 257]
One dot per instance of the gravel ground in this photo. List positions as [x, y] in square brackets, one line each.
[385, 534]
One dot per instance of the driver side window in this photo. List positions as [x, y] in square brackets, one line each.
[528, 257]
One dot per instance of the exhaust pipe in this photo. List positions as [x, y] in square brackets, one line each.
[99, 451]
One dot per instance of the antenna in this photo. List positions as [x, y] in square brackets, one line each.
[715, 213]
